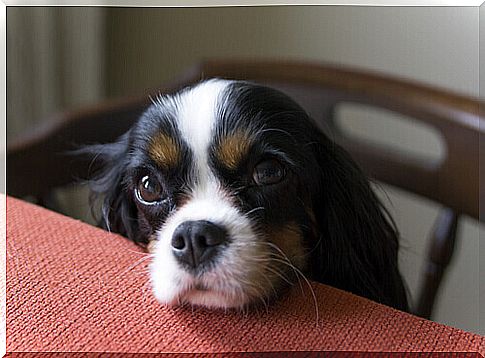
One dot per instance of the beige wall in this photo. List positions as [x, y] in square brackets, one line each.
[435, 45]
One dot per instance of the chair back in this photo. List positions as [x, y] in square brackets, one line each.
[37, 163]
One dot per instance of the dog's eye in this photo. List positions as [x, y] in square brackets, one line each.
[149, 190]
[268, 172]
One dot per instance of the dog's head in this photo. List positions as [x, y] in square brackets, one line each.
[239, 195]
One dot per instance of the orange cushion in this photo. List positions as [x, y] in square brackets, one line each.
[73, 287]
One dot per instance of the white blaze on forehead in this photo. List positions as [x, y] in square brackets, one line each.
[197, 118]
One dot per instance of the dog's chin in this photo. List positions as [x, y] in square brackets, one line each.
[205, 297]
[213, 299]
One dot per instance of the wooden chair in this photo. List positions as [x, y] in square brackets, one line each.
[37, 163]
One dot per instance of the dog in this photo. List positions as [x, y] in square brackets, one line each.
[239, 195]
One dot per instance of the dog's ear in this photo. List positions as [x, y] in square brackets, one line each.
[358, 244]
[109, 194]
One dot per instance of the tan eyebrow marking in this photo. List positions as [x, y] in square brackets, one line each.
[233, 148]
[164, 150]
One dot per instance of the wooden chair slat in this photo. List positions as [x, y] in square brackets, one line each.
[37, 163]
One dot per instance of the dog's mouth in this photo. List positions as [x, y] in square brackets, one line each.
[217, 292]
[200, 287]
[200, 294]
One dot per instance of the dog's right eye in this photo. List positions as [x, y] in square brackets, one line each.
[149, 190]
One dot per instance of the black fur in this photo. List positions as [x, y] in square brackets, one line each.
[118, 211]
[358, 251]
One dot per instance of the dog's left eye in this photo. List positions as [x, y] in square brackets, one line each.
[268, 172]
[149, 190]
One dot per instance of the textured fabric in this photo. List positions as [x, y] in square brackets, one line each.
[72, 287]
[3, 271]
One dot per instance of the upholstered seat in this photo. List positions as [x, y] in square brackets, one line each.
[72, 287]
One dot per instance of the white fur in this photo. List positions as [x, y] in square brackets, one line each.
[197, 119]
[172, 284]
[229, 284]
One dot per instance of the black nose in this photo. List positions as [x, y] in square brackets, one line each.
[197, 242]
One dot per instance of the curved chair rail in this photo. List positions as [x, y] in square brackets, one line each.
[39, 162]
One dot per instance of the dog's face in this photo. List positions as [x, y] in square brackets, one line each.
[226, 182]
[217, 173]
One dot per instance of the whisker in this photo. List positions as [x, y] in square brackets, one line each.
[285, 262]
[279, 274]
[312, 291]
[138, 262]
[254, 210]
[146, 289]
[298, 271]
[272, 287]
[138, 252]
[316, 245]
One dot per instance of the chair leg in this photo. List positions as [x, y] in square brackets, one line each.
[439, 256]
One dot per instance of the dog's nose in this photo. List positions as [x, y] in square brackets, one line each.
[197, 242]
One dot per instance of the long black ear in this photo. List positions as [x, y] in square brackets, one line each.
[358, 247]
[112, 204]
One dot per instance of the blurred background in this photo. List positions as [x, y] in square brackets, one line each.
[67, 58]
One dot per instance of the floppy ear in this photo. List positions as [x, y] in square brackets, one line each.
[118, 210]
[358, 244]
